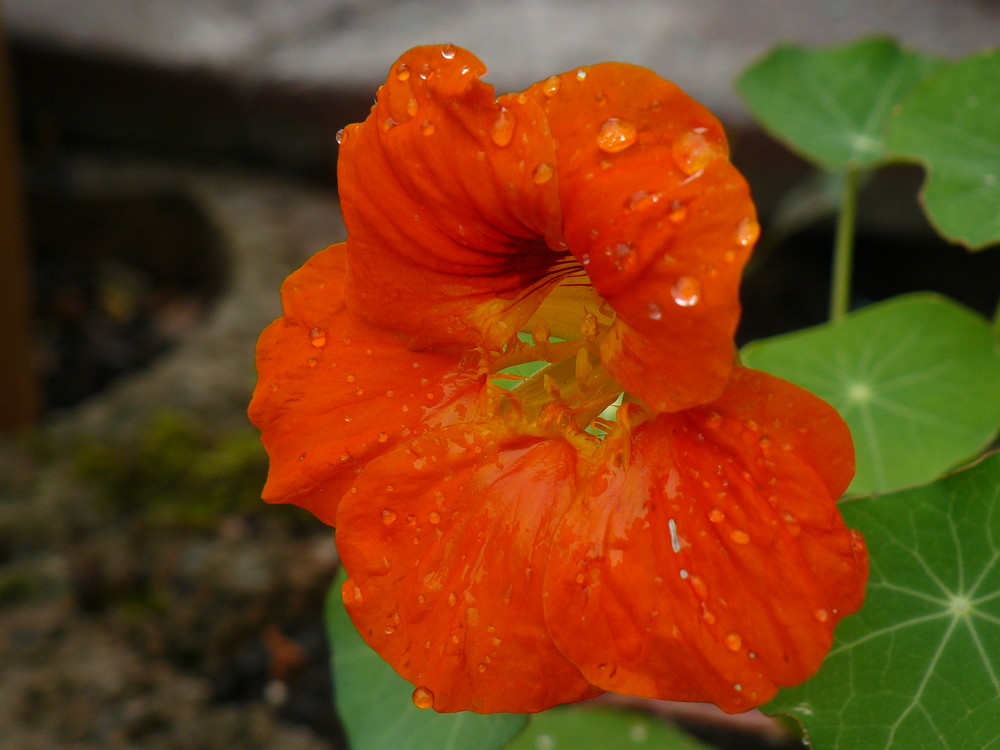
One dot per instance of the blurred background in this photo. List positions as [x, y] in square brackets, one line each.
[163, 165]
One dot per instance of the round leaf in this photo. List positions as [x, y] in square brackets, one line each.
[375, 706]
[919, 665]
[917, 378]
[951, 123]
[831, 105]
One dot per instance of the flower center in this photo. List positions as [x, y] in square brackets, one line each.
[552, 372]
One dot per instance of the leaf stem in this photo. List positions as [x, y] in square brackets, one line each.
[843, 248]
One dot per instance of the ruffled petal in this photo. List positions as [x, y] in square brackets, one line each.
[445, 543]
[660, 219]
[705, 558]
[450, 200]
[334, 392]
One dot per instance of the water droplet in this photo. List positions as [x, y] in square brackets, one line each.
[713, 421]
[739, 536]
[585, 259]
[683, 574]
[317, 337]
[452, 599]
[822, 615]
[692, 153]
[412, 106]
[678, 212]
[434, 517]
[699, 586]
[686, 291]
[654, 311]
[502, 130]
[550, 87]
[737, 687]
[542, 174]
[341, 134]
[716, 516]
[422, 697]
[427, 127]
[615, 135]
[734, 641]
[311, 361]
[402, 72]
[642, 200]
[448, 52]
[472, 616]
[747, 232]
[581, 75]
[389, 124]
[389, 630]
[481, 668]
[382, 437]
[388, 516]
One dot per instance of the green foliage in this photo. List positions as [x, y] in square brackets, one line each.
[951, 124]
[375, 703]
[832, 105]
[917, 378]
[919, 665]
[175, 474]
[574, 728]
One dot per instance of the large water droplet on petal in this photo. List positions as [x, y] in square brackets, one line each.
[341, 134]
[642, 200]
[503, 128]
[412, 106]
[550, 87]
[427, 127]
[317, 337]
[402, 72]
[422, 697]
[692, 153]
[655, 312]
[388, 516]
[448, 52]
[615, 135]
[686, 291]
[734, 641]
[542, 174]
[747, 232]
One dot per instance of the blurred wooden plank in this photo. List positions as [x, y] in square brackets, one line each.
[20, 399]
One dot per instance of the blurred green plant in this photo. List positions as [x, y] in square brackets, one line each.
[176, 473]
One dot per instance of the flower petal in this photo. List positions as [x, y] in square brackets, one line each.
[706, 560]
[449, 198]
[445, 542]
[660, 219]
[334, 392]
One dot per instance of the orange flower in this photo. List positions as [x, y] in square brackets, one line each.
[510, 549]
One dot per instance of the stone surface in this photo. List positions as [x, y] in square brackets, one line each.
[351, 43]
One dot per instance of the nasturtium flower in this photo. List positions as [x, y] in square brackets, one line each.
[512, 542]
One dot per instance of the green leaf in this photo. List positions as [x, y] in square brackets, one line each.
[831, 105]
[375, 706]
[919, 665]
[951, 124]
[917, 378]
[576, 728]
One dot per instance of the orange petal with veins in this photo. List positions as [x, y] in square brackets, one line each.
[451, 206]
[334, 392]
[708, 561]
[445, 544]
[661, 221]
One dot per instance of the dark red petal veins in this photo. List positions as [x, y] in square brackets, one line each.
[334, 392]
[451, 204]
[661, 221]
[709, 561]
[445, 542]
